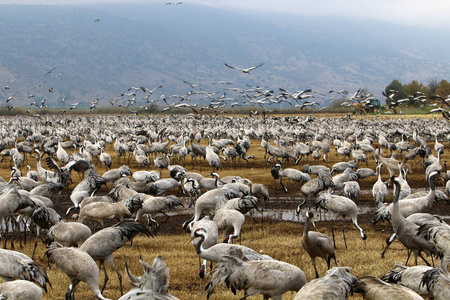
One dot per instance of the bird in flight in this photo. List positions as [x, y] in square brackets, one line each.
[96, 20]
[246, 71]
[48, 72]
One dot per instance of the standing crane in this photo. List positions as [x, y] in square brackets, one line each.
[102, 244]
[340, 206]
[410, 205]
[211, 238]
[406, 231]
[316, 244]
[379, 189]
[292, 174]
[78, 266]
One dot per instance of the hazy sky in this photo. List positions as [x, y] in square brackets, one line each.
[433, 13]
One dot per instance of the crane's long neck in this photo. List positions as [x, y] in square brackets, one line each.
[396, 215]
[432, 185]
[400, 173]
[307, 227]
[379, 172]
[199, 247]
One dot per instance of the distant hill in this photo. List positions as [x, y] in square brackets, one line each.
[154, 44]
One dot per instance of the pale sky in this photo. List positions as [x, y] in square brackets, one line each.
[433, 13]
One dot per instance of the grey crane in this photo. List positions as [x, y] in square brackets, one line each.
[435, 166]
[314, 169]
[16, 265]
[20, 290]
[342, 166]
[88, 186]
[215, 252]
[260, 191]
[292, 174]
[416, 218]
[438, 233]
[78, 266]
[69, 234]
[270, 278]
[379, 189]
[11, 201]
[114, 174]
[316, 244]
[99, 211]
[408, 276]
[340, 206]
[32, 174]
[45, 175]
[230, 221]
[155, 205]
[192, 188]
[46, 189]
[243, 204]
[373, 288]
[196, 151]
[44, 218]
[365, 173]
[145, 176]
[336, 284]
[212, 200]
[153, 284]
[318, 184]
[351, 190]
[122, 192]
[390, 163]
[161, 186]
[211, 238]
[102, 244]
[340, 179]
[161, 162]
[91, 199]
[405, 189]
[105, 159]
[410, 205]
[437, 145]
[212, 157]
[25, 183]
[210, 183]
[406, 231]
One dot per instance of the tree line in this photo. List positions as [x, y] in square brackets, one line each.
[414, 88]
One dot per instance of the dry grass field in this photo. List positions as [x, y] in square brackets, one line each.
[277, 238]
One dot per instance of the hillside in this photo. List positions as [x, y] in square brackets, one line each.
[154, 44]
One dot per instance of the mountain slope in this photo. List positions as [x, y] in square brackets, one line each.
[154, 44]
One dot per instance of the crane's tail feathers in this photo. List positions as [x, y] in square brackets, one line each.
[382, 214]
[430, 278]
[160, 275]
[130, 228]
[36, 273]
[394, 275]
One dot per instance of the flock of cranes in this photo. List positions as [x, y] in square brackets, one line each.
[199, 99]
[57, 145]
